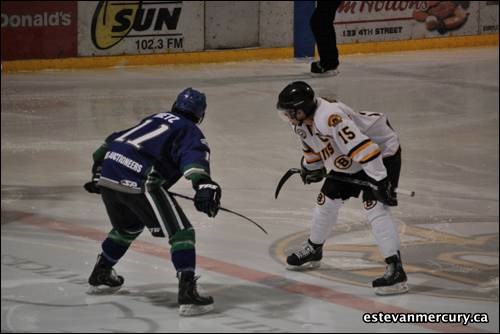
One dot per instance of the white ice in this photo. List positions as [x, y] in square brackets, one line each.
[443, 104]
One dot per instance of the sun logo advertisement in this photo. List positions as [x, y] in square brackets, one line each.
[135, 27]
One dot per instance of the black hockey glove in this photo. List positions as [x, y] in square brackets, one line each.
[207, 198]
[92, 186]
[311, 176]
[385, 192]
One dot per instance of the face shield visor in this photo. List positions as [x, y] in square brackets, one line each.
[287, 114]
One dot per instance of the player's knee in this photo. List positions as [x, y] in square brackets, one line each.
[375, 210]
[326, 205]
[124, 236]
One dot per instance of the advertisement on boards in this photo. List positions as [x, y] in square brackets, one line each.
[139, 27]
[488, 12]
[39, 29]
[375, 21]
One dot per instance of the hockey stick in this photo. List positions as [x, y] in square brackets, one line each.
[347, 179]
[222, 209]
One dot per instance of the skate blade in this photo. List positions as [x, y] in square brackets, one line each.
[305, 267]
[330, 73]
[189, 310]
[103, 290]
[392, 290]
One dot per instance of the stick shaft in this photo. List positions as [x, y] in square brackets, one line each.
[222, 209]
[342, 178]
[347, 179]
[410, 193]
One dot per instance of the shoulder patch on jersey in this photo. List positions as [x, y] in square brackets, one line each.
[333, 120]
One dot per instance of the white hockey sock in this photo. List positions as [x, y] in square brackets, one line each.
[324, 217]
[383, 228]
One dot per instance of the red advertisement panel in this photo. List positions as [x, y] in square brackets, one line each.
[39, 29]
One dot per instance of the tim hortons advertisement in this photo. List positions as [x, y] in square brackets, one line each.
[138, 27]
[39, 29]
[371, 21]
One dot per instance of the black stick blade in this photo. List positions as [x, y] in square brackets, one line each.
[284, 178]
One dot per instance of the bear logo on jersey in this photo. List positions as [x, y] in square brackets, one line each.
[333, 120]
[321, 198]
[343, 162]
[370, 204]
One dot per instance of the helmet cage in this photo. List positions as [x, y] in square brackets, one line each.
[287, 114]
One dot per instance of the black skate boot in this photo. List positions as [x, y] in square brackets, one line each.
[394, 279]
[104, 279]
[307, 257]
[318, 70]
[190, 302]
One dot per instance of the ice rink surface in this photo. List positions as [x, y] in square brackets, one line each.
[443, 104]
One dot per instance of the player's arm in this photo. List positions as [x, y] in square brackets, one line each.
[194, 160]
[310, 159]
[98, 157]
[311, 165]
[193, 156]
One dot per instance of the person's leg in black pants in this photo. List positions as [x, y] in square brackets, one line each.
[324, 32]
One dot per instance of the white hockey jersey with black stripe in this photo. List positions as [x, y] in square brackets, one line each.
[346, 141]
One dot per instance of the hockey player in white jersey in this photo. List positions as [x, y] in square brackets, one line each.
[360, 145]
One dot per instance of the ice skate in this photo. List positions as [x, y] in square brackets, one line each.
[394, 279]
[319, 71]
[305, 258]
[190, 302]
[104, 279]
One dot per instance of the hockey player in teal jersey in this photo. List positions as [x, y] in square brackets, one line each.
[133, 170]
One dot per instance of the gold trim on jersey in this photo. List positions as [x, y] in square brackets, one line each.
[369, 157]
[312, 157]
[358, 148]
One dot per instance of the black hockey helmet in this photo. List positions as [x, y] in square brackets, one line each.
[297, 96]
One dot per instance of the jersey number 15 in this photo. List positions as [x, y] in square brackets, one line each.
[346, 134]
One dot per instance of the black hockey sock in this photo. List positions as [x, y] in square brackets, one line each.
[184, 260]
